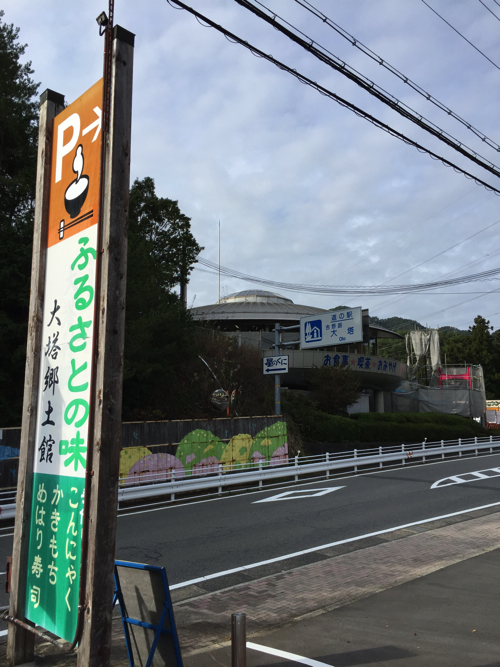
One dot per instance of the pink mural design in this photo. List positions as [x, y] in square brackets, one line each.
[206, 466]
[155, 468]
[279, 456]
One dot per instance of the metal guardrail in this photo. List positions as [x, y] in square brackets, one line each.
[224, 476]
[307, 466]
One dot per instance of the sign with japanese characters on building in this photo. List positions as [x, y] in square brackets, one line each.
[339, 327]
[62, 433]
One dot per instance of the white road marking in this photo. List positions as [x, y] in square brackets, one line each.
[3, 633]
[216, 575]
[462, 479]
[290, 656]
[295, 495]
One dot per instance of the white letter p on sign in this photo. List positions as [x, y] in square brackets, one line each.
[62, 148]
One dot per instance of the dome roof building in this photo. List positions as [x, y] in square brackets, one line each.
[251, 316]
[253, 310]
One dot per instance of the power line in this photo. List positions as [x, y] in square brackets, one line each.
[419, 224]
[443, 251]
[366, 84]
[370, 290]
[481, 260]
[438, 312]
[328, 93]
[491, 12]
[402, 77]
[459, 33]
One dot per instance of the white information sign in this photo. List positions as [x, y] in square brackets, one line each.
[338, 327]
[275, 365]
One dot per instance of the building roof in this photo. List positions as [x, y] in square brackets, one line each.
[254, 305]
[260, 306]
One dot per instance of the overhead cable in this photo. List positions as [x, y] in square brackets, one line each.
[366, 84]
[462, 36]
[420, 239]
[491, 12]
[443, 310]
[402, 77]
[370, 290]
[333, 96]
[455, 245]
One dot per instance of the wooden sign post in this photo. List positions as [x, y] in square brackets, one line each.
[68, 482]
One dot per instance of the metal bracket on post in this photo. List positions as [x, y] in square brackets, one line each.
[238, 640]
[277, 377]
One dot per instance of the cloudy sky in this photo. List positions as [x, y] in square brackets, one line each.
[306, 191]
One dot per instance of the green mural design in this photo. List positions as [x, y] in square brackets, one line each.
[199, 447]
[201, 452]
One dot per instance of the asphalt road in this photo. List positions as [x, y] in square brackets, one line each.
[206, 537]
[195, 540]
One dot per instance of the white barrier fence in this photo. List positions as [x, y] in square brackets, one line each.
[220, 477]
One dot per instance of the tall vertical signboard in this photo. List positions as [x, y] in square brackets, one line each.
[63, 551]
[64, 384]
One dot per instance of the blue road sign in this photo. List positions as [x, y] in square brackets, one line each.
[337, 327]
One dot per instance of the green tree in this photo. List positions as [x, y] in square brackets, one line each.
[481, 342]
[334, 388]
[393, 348]
[18, 147]
[157, 224]
[455, 350]
[159, 333]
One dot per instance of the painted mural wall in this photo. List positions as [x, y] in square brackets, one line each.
[154, 451]
[234, 443]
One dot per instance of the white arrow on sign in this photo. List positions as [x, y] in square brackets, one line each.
[97, 124]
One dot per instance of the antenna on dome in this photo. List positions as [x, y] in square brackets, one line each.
[218, 300]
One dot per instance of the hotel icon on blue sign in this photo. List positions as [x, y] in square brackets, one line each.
[313, 331]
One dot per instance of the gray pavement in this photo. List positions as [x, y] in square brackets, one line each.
[427, 595]
[449, 617]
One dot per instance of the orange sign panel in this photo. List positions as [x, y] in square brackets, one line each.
[76, 157]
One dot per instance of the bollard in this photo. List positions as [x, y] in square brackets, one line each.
[327, 459]
[238, 640]
[172, 495]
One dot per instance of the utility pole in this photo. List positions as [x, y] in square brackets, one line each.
[95, 644]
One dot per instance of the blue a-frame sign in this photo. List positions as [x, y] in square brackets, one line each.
[143, 596]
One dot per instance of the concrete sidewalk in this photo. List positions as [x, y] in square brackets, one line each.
[425, 595]
[448, 618]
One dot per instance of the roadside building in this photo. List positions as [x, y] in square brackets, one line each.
[251, 316]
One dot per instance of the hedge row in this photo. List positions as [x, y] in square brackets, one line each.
[407, 428]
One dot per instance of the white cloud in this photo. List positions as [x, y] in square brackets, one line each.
[305, 190]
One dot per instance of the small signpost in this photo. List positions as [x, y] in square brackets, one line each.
[275, 365]
[339, 327]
